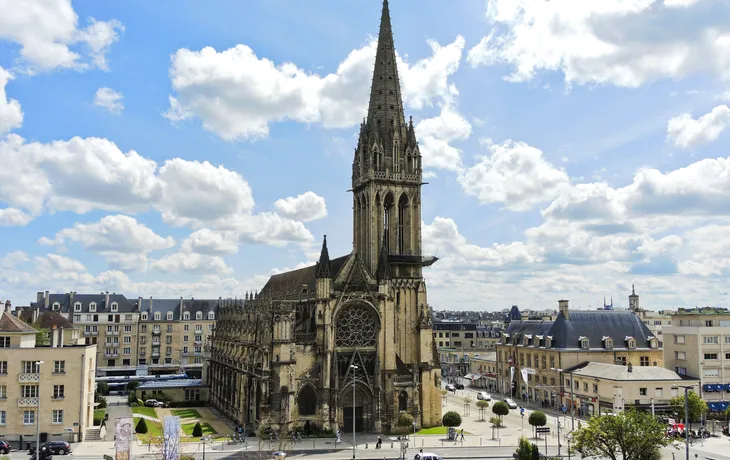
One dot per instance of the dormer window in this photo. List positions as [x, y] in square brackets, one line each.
[77, 306]
[548, 341]
[186, 315]
[169, 316]
[115, 306]
[526, 339]
[158, 316]
[92, 307]
[584, 343]
[198, 315]
[607, 342]
[143, 316]
[653, 342]
[630, 342]
[56, 306]
[211, 315]
[507, 338]
[538, 340]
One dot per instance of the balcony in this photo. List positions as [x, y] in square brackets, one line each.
[112, 332]
[27, 402]
[29, 378]
[111, 344]
[156, 332]
[156, 353]
[156, 343]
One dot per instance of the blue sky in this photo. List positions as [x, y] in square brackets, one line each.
[187, 148]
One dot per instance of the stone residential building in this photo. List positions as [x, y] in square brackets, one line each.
[545, 348]
[295, 352]
[600, 388]
[697, 345]
[59, 393]
[654, 320]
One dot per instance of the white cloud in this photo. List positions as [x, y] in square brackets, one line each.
[435, 136]
[620, 42]
[11, 217]
[11, 115]
[686, 132]
[238, 95]
[63, 263]
[515, 175]
[190, 262]
[209, 242]
[49, 36]
[109, 100]
[305, 207]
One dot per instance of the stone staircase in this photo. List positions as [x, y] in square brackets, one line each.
[93, 434]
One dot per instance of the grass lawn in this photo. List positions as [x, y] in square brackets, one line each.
[186, 413]
[148, 411]
[207, 429]
[438, 430]
[154, 430]
[98, 416]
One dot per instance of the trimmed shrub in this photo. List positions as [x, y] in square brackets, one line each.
[451, 419]
[500, 408]
[141, 427]
[197, 430]
[405, 420]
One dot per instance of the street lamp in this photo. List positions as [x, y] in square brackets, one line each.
[354, 368]
[38, 413]
[686, 417]
[572, 411]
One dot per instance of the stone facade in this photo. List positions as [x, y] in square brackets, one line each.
[358, 326]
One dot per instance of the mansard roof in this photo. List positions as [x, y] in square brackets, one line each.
[191, 305]
[67, 301]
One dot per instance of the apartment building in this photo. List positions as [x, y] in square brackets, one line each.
[600, 388]
[142, 336]
[654, 320]
[542, 350]
[175, 334]
[106, 320]
[51, 385]
[697, 345]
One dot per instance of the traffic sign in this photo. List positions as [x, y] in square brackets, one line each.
[542, 430]
[529, 370]
[522, 411]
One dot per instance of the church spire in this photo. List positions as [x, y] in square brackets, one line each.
[323, 266]
[386, 103]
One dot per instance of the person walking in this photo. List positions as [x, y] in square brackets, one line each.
[462, 434]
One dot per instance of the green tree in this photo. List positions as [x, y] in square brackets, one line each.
[524, 450]
[697, 406]
[500, 409]
[537, 419]
[131, 386]
[451, 419]
[197, 430]
[404, 420]
[630, 435]
[141, 427]
[482, 405]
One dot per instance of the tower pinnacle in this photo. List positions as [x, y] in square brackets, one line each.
[323, 265]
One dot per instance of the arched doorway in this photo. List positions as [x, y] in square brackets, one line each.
[362, 412]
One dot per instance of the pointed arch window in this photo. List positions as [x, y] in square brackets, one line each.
[403, 223]
[403, 401]
[307, 401]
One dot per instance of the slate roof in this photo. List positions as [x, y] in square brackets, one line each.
[292, 281]
[174, 383]
[47, 319]
[68, 300]
[164, 306]
[11, 324]
[621, 372]
[593, 325]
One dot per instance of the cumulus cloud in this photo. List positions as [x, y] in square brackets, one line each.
[11, 217]
[618, 42]
[305, 207]
[11, 115]
[109, 100]
[436, 136]
[686, 132]
[190, 262]
[210, 242]
[237, 94]
[50, 38]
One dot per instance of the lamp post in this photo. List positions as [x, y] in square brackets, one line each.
[38, 414]
[354, 369]
[562, 387]
[686, 417]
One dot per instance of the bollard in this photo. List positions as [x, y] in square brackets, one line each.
[366, 445]
[391, 445]
[480, 442]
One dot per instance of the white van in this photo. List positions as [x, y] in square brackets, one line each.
[427, 456]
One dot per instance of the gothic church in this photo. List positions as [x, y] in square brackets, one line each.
[292, 353]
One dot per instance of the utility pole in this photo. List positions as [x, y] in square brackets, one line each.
[686, 418]
[38, 412]
[572, 405]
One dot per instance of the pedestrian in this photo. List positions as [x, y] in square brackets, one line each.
[379, 443]
[462, 434]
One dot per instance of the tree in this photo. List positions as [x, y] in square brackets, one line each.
[537, 419]
[524, 450]
[482, 405]
[500, 409]
[451, 419]
[141, 427]
[404, 420]
[630, 435]
[131, 386]
[697, 406]
[197, 430]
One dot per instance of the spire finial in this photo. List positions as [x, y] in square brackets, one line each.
[633, 292]
[323, 265]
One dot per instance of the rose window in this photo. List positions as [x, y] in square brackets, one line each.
[357, 326]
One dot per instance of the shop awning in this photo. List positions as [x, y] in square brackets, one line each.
[717, 406]
[710, 387]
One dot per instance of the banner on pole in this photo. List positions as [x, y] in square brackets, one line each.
[512, 374]
[171, 434]
[123, 429]
[524, 375]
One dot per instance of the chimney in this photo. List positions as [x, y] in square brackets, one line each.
[35, 313]
[71, 299]
[150, 317]
[630, 367]
[106, 299]
[7, 306]
[47, 300]
[182, 308]
[563, 307]
[39, 297]
[54, 336]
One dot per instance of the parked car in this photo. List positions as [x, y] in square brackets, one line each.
[459, 386]
[154, 403]
[484, 396]
[57, 447]
[427, 456]
[450, 387]
[4, 447]
[511, 404]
